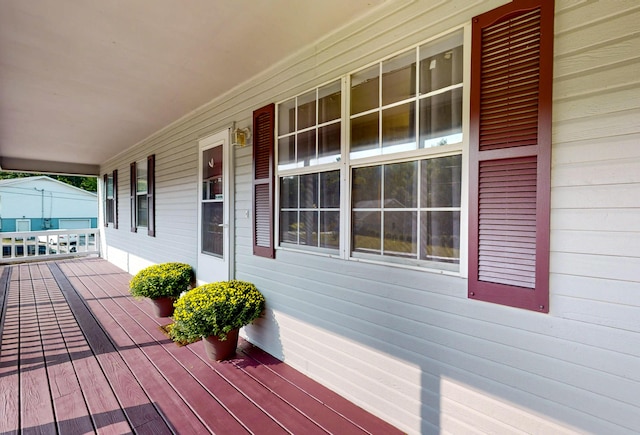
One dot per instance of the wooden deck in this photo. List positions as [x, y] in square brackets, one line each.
[79, 355]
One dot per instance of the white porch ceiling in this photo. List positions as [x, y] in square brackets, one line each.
[82, 80]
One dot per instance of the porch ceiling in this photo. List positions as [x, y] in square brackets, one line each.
[81, 81]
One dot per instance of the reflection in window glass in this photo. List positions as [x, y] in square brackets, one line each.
[365, 133]
[329, 103]
[287, 117]
[329, 143]
[306, 147]
[419, 214]
[365, 90]
[306, 110]
[441, 119]
[399, 78]
[398, 127]
[286, 152]
[310, 210]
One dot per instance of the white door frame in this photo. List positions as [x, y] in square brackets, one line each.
[224, 268]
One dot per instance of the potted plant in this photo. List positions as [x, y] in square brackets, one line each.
[216, 312]
[162, 283]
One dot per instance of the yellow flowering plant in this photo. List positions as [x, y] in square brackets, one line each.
[216, 309]
[162, 280]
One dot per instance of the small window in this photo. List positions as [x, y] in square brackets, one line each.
[142, 186]
[111, 199]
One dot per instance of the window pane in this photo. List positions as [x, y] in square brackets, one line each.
[329, 102]
[309, 191]
[142, 211]
[440, 236]
[287, 117]
[289, 227]
[364, 90]
[399, 78]
[212, 173]
[330, 189]
[289, 192]
[329, 143]
[212, 232]
[309, 228]
[398, 128]
[286, 151]
[366, 232]
[364, 133]
[110, 186]
[441, 181]
[365, 192]
[306, 147]
[441, 64]
[401, 185]
[441, 119]
[307, 110]
[400, 233]
[330, 229]
[141, 177]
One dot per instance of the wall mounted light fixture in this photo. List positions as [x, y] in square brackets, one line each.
[240, 136]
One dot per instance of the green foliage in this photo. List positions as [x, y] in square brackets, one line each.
[216, 309]
[162, 280]
[89, 184]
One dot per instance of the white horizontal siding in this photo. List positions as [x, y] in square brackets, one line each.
[409, 345]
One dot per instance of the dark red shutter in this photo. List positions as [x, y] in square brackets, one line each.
[132, 190]
[105, 182]
[151, 195]
[263, 181]
[115, 199]
[510, 154]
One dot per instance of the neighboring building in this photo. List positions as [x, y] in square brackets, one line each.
[42, 203]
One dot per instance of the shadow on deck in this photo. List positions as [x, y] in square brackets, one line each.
[79, 355]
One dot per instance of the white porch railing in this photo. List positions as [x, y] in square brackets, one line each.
[42, 245]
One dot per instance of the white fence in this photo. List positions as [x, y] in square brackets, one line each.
[42, 245]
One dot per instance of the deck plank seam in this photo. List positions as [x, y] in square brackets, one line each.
[6, 285]
[57, 311]
[68, 291]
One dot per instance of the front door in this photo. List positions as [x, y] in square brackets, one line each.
[214, 209]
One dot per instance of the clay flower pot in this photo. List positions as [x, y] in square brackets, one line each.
[163, 306]
[219, 350]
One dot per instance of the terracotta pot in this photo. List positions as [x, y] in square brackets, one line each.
[218, 350]
[163, 306]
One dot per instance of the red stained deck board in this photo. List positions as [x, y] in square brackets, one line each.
[9, 337]
[123, 383]
[202, 402]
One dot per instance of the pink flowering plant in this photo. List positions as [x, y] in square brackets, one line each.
[216, 309]
[162, 280]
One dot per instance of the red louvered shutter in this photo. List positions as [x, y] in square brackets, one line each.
[510, 155]
[132, 191]
[263, 179]
[115, 199]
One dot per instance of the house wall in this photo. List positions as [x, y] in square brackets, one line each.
[409, 345]
[24, 198]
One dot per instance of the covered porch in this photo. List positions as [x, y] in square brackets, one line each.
[79, 355]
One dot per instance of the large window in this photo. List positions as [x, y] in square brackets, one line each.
[400, 164]
[309, 155]
[142, 208]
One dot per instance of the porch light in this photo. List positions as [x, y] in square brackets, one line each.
[240, 136]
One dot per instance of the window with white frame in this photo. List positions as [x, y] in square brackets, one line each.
[406, 193]
[142, 208]
[309, 155]
[402, 160]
